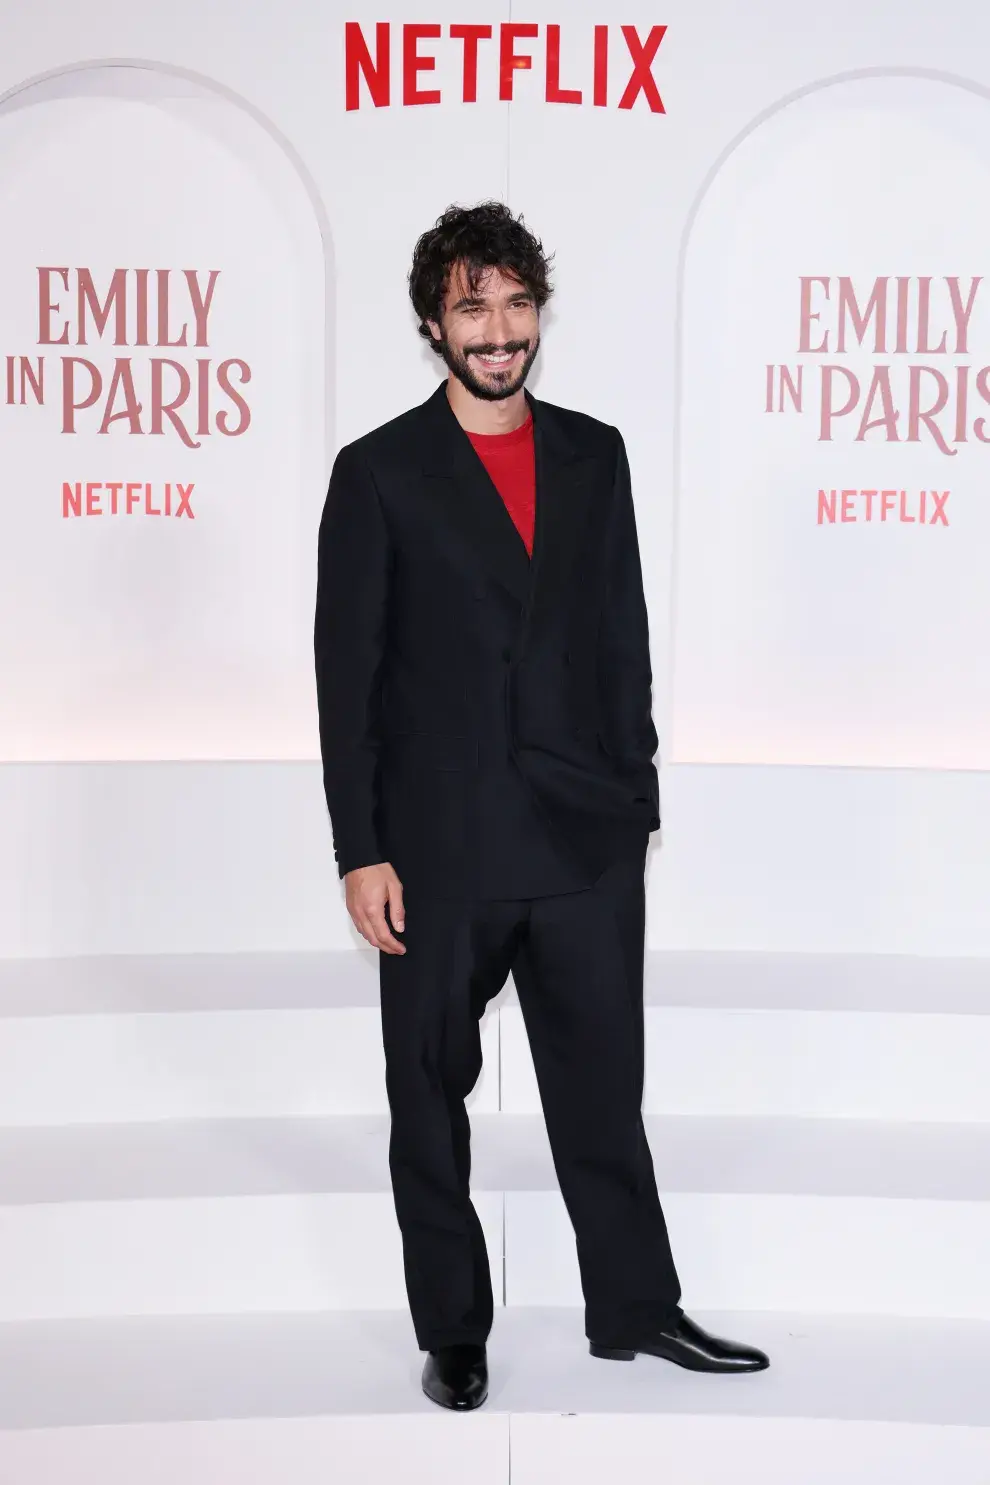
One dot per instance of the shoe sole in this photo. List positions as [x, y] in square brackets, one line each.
[622, 1353]
[467, 1407]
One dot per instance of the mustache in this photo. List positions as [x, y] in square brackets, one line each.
[489, 349]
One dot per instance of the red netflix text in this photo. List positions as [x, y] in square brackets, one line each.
[505, 49]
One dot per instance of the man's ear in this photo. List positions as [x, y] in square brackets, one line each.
[435, 331]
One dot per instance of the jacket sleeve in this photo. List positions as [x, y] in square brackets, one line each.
[349, 640]
[626, 678]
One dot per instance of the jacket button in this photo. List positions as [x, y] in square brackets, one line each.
[567, 657]
[506, 656]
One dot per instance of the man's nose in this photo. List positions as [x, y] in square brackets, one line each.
[498, 326]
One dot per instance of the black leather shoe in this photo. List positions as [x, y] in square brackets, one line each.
[688, 1345]
[456, 1377]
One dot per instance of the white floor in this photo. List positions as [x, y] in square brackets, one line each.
[200, 1276]
[348, 1363]
[97, 1395]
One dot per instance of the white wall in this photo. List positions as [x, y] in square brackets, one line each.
[221, 840]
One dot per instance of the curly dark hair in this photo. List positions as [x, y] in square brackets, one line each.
[481, 237]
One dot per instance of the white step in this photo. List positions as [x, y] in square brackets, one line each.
[273, 1215]
[87, 985]
[308, 1398]
[812, 1036]
[132, 1039]
[819, 982]
[809, 1064]
[874, 1256]
[144, 983]
[197, 1037]
[784, 1214]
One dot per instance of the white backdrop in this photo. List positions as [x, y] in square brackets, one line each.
[821, 689]
[830, 605]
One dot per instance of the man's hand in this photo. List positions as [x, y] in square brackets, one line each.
[367, 890]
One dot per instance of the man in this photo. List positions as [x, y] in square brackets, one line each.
[484, 684]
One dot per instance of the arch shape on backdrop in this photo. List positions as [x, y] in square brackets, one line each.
[805, 630]
[140, 636]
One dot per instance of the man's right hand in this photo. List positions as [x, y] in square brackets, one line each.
[367, 889]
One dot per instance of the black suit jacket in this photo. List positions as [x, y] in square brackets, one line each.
[474, 704]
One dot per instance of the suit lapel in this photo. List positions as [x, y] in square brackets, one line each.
[471, 504]
[564, 486]
[469, 500]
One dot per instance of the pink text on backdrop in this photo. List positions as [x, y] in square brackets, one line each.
[125, 498]
[138, 310]
[899, 398]
[899, 507]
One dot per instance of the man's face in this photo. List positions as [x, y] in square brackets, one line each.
[488, 338]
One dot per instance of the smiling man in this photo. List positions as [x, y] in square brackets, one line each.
[484, 685]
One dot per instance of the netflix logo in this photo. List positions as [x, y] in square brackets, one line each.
[393, 64]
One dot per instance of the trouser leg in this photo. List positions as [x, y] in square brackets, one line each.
[579, 973]
[433, 997]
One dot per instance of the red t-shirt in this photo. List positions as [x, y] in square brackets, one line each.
[510, 459]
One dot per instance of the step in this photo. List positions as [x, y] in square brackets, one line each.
[297, 1214]
[134, 1039]
[232, 1215]
[810, 1036]
[307, 1398]
[783, 1214]
[145, 983]
[92, 984]
[803, 1064]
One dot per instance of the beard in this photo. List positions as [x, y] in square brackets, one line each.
[490, 386]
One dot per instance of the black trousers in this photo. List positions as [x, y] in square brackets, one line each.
[577, 961]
